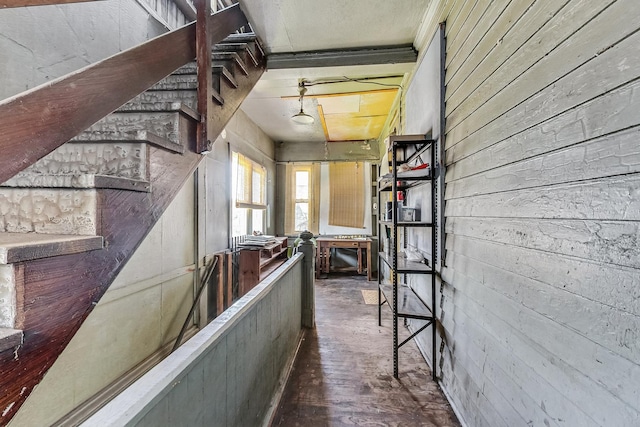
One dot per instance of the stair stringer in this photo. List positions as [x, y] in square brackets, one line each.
[58, 293]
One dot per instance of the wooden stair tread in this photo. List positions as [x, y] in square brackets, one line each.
[124, 136]
[18, 247]
[186, 77]
[160, 99]
[231, 56]
[160, 107]
[245, 38]
[240, 38]
[238, 47]
[85, 181]
[224, 72]
[10, 338]
[217, 98]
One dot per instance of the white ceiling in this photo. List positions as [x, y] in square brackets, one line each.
[287, 26]
[303, 25]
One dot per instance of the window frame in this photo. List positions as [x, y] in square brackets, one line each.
[237, 160]
[291, 200]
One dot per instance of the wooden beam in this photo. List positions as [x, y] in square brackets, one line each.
[333, 151]
[343, 57]
[229, 281]
[220, 283]
[205, 77]
[323, 122]
[36, 122]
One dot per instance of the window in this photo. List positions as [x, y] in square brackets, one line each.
[249, 189]
[302, 193]
[303, 196]
[327, 198]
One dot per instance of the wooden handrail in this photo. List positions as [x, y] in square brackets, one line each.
[36, 122]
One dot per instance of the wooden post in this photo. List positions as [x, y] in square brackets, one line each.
[220, 284]
[205, 76]
[228, 292]
[308, 280]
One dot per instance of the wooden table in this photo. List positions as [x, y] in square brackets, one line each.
[324, 248]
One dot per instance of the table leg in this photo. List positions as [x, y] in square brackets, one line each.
[369, 269]
[327, 259]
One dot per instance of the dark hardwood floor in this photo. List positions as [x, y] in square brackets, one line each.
[343, 375]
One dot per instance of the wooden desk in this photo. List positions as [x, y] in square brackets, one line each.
[324, 248]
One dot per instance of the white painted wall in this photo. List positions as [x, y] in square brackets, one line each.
[39, 44]
[541, 285]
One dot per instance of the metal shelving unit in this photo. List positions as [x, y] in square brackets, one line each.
[403, 300]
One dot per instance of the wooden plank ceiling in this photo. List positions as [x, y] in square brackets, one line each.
[355, 116]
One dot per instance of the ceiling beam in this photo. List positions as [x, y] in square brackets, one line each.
[343, 57]
[335, 151]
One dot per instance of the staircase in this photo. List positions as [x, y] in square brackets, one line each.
[69, 222]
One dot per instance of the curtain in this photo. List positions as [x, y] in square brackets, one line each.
[346, 194]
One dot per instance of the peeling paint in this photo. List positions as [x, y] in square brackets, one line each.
[8, 408]
[48, 211]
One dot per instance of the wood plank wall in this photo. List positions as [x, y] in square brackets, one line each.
[541, 295]
[227, 374]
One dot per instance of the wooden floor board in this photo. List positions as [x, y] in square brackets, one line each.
[343, 374]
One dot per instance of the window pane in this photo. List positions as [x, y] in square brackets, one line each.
[239, 222]
[257, 218]
[242, 183]
[249, 182]
[258, 185]
[302, 185]
[302, 216]
[234, 176]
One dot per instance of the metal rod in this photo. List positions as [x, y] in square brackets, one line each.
[394, 247]
[203, 283]
[422, 328]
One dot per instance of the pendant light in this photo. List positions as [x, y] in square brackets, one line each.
[302, 117]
